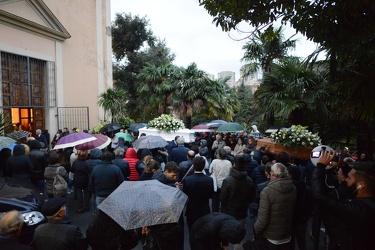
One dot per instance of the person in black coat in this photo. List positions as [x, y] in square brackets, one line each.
[81, 181]
[209, 231]
[199, 188]
[39, 160]
[303, 209]
[185, 165]
[113, 237]
[20, 167]
[120, 162]
[179, 153]
[237, 190]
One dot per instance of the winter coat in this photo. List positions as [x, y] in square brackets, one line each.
[40, 162]
[50, 172]
[203, 151]
[238, 149]
[105, 178]
[258, 175]
[81, 174]
[251, 164]
[236, 193]
[131, 158]
[20, 167]
[123, 165]
[276, 208]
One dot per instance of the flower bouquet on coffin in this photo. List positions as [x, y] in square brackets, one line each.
[168, 127]
[296, 140]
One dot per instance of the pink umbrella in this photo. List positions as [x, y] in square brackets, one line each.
[73, 139]
[101, 142]
[202, 128]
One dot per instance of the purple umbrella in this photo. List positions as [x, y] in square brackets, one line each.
[101, 142]
[74, 139]
[202, 128]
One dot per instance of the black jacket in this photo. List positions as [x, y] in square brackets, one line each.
[211, 229]
[199, 188]
[123, 165]
[39, 160]
[358, 215]
[58, 234]
[236, 193]
[20, 167]
[81, 174]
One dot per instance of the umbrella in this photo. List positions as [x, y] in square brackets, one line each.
[230, 127]
[101, 142]
[127, 137]
[136, 204]
[16, 135]
[150, 141]
[215, 123]
[110, 127]
[136, 126]
[202, 128]
[6, 142]
[74, 139]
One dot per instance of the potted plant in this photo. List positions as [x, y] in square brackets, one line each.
[296, 140]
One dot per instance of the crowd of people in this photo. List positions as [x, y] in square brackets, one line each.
[227, 177]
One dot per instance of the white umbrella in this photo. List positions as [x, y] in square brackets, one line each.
[137, 204]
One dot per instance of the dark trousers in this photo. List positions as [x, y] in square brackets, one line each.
[216, 201]
[83, 197]
[267, 245]
[299, 236]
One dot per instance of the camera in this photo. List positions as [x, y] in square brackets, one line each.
[317, 151]
[315, 154]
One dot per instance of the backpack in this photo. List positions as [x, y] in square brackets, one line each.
[59, 185]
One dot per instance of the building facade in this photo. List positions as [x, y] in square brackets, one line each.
[56, 59]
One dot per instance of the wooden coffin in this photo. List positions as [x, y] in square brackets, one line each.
[302, 153]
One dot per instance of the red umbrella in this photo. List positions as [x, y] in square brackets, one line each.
[202, 128]
[101, 142]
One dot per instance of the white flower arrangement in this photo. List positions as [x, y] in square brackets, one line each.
[296, 136]
[166, 123]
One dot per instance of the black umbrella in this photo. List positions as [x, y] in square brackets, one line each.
[110, 127]
[16, 135]
[136, 126]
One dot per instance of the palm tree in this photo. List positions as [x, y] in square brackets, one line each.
[157, 86]
[195, 91]
[293, 92]
[113, 101]
[264, 48]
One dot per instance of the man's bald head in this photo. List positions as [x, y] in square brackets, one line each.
[11, 223]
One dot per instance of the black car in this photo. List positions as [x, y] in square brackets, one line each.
[27, 201]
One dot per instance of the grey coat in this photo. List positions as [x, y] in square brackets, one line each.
[276, 208]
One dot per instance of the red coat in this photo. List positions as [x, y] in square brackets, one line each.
[132, 159]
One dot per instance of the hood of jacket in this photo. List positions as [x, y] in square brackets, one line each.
[130, 153]
[204, 142]
[95, 153]
[18, 150]
[238, 174]
[282, 185]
